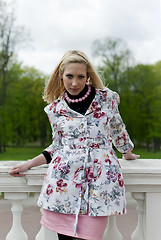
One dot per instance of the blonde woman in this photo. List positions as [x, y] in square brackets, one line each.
[83, 184]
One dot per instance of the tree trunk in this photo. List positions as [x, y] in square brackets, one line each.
[0, 145]
[148, 146]
[154, 145]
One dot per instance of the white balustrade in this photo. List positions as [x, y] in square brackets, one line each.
[142, 178]
[112, 231]
[138, 234]
[153, 215]
[16, 231]
[45, 234]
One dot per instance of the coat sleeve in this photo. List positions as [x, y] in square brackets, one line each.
[49, 151]
[119, 134]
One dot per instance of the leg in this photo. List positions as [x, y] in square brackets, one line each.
[78, 239]
[64, 237]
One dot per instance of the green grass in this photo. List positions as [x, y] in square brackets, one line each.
[144, 153]
[24, 153]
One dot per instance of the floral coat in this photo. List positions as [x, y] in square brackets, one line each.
[84, 175]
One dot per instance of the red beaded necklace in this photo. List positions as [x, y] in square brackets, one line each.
[78, 99]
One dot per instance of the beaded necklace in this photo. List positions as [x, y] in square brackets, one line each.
[78, 99]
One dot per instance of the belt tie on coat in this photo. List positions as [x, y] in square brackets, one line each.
[84, 191]
[86, 197]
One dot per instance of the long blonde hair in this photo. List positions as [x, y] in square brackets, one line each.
[54, 87]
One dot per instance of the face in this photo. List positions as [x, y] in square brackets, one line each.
[75, 77]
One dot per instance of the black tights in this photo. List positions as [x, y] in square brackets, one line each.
[64, 237]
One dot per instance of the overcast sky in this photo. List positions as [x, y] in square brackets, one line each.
[56, 26]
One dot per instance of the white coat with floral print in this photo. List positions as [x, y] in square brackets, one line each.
[84, 175]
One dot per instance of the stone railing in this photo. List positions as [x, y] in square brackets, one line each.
[142, 178]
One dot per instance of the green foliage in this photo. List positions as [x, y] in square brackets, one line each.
[115, 59]
[11, 36]
[139, 88]
[22, 116]
[141, 103]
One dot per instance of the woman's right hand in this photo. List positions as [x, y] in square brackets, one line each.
[18, 169]
[23, 167]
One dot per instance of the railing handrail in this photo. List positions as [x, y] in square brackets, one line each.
[138, 175]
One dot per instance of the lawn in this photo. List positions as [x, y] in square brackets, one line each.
[23, 153]
[144, 153]
[30, 152]
[147, 155]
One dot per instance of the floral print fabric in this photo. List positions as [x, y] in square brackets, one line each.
[84, 175]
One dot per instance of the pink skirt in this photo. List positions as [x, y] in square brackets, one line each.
[89, 228]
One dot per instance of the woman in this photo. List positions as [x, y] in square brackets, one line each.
[84, 183]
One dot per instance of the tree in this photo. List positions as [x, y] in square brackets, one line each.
[139, 87]
[11, 36]
[141, 103]
[116, 58]
[25, 118]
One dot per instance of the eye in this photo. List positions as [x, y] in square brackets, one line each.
[69, 75]
[81, 76]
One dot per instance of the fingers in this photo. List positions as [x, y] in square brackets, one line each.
[17, 175]
[130, 156]
[134, 156]
[15, 172]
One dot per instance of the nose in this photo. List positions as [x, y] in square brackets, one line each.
[74, 82]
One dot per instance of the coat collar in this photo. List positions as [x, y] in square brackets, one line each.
[99, 100]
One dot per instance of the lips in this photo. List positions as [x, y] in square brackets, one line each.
[74, 89]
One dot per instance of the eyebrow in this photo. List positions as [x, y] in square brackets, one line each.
[81, 74]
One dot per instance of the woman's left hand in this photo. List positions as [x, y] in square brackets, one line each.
[130, 156]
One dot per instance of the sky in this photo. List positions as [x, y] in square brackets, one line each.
[56, 26]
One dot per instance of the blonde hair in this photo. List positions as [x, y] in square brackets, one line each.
[54, 87]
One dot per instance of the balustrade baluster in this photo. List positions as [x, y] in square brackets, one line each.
[16, 232]
[40, 235]
[45, 234]
[153, 215]
[112, 231]
[138, 234]
[49, 235]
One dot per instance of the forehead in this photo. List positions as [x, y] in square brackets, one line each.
[76, 68]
